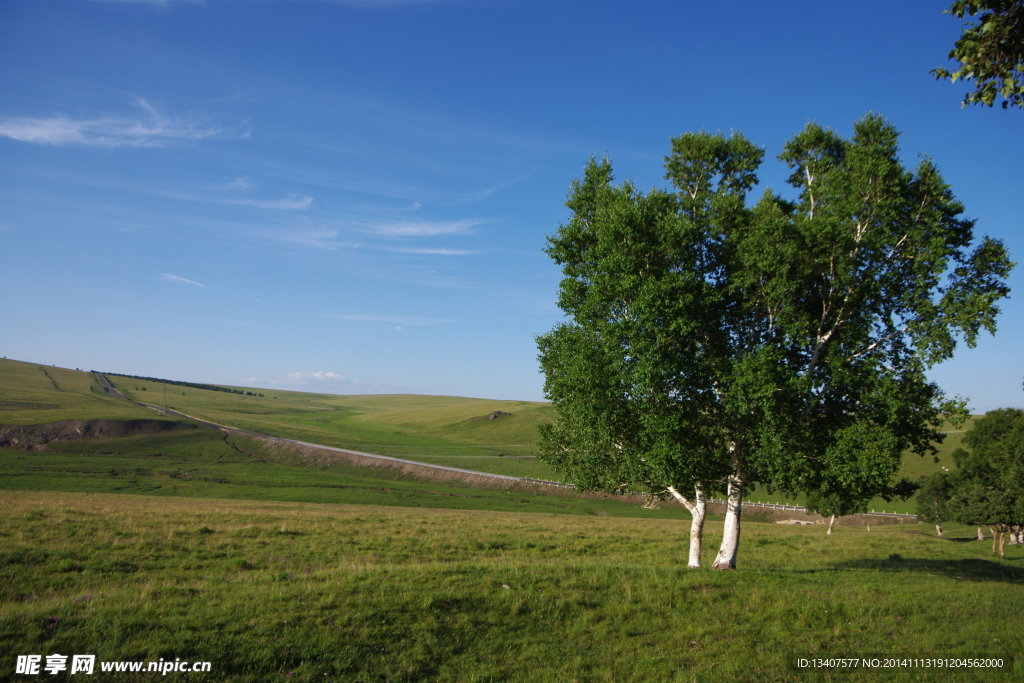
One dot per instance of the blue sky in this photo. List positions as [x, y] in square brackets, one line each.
[354, 196]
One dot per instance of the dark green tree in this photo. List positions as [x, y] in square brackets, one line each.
[835, 500]
[987, 486]
[932, 497]
[990, 52]
[714, 344]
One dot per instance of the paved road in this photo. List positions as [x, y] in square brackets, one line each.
[109, 387]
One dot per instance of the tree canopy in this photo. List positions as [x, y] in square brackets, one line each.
[932, 496]
[987, 486]
[716, 344]
[990, 52]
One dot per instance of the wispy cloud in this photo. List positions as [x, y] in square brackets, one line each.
[397, 320]
[174, 278]
[239, 184]
[438, 251]
[294, 201]
[422, 228]
[321, 238]
[350, 3]
[378, 236]
[152, 130]
[380, 3]
[158, 3]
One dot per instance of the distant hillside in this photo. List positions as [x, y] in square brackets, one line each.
[445, 430]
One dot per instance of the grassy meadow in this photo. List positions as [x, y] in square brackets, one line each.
[200, 462]
[442, 430]
[203, 546]
[311, 592]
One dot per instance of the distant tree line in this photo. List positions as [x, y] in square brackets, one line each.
[208, 387]
[987, 486]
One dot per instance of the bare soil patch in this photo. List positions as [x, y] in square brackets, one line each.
[26, 405]
[35, 437]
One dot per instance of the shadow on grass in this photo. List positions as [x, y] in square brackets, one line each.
[969, 570]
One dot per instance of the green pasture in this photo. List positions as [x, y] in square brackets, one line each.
[31, 394]
[442, 430]
[200, 462]
[313, 592]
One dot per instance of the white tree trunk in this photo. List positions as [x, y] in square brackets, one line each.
[731, 533]
[938, 530]
[831, 523]
[981, 536]
[698, 509]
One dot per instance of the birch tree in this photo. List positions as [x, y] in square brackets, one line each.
[715, 343]
[990, 52]
[931, 500]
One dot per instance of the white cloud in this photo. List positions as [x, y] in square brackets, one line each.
[423, 228]
[440, 251]
[158, 3]
[174, 278]
[351, 3]
[397, 320]
[306, 377]
[321, 238]
[294, 201]
[328, 381]
[153, 130]
[239, 184]
[347, 3]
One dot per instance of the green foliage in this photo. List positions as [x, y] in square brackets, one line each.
[786, 342]
[988, 484]
[990, 52]
[932, 498]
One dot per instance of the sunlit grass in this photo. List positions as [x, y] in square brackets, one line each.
[347, 593]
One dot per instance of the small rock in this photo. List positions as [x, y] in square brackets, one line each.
[506, 586]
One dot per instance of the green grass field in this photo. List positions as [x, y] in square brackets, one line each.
[196, 545]
[304, 592]
[199, 462]
[441, 430]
